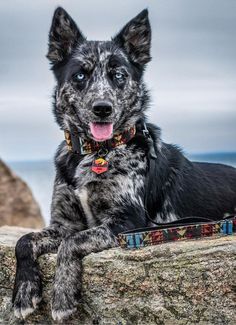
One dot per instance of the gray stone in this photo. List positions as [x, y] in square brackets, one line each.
[185, 282]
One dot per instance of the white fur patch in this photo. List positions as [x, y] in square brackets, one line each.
[17, 313]
[170, 217]
[62, 315]
[26, 312]
[129, 188]
[36, 301]
[83, 196]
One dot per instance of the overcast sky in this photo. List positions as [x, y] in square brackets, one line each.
[192, 76]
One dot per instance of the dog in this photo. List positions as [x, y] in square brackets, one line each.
[113, 172]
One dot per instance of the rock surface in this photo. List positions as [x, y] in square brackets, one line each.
[187, 282]
[17, 204]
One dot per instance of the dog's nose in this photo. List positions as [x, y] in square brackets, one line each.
[102, 109]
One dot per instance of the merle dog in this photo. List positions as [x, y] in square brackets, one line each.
[113, 173]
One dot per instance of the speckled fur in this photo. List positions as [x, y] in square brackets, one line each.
[89, 210]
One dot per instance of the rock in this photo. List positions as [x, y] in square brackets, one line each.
[185, 282]
[17, 204]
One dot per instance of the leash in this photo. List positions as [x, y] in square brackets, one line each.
[176, 231]
[182, 229]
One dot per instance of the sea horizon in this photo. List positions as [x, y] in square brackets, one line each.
[39, 174]
[187, 154]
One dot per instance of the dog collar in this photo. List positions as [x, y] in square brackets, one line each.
[83, 146]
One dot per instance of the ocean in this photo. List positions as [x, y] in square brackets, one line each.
[39, 175]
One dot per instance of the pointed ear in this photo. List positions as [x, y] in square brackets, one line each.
[135, 38]
[64, 35]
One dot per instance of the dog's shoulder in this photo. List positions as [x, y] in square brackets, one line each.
[170, 155]
[66, 163]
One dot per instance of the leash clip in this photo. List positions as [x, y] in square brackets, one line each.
[102, 152]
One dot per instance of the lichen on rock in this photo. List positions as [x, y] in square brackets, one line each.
[186, 282]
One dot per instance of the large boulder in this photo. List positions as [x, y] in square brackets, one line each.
[17, 204]
[185, 282]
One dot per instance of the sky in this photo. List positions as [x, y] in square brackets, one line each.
[192, 77]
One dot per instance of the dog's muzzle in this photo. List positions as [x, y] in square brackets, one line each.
[102, 109]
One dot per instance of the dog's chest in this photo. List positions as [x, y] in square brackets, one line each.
[122, 183]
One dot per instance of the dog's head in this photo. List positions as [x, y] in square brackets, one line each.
[99, 83]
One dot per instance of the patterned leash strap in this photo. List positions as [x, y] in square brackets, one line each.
[142, 237]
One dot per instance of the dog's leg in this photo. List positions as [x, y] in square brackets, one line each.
[65, 221]
[67, 286]
[28, 286]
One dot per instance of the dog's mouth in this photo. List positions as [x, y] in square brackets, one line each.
[101, 131]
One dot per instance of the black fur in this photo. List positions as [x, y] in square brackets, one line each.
[89, 210]
[193, 188]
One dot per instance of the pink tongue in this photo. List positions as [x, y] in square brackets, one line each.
[101, 131]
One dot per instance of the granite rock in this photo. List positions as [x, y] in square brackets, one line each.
[186, 282]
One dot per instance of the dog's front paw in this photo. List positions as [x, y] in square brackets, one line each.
[27, 291]
[62, 315]
[26, 297]
[64, 303]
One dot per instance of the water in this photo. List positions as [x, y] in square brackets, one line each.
[39, 175]
[228, 158]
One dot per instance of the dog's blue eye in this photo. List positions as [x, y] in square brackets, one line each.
[119, 75]
[80, 76]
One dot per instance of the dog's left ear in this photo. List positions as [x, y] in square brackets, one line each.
[135, 38]
[64, 35]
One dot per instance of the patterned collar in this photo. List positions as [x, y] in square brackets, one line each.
[136, 238]
[82, 146]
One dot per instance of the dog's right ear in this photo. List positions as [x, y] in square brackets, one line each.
[64, 35]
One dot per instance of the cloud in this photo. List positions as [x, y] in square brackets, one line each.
[192, 75]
